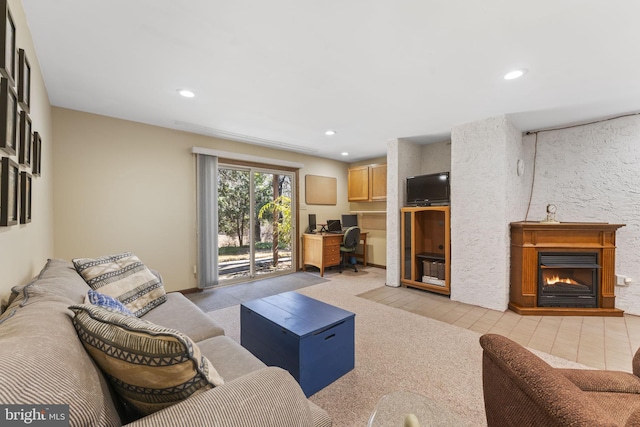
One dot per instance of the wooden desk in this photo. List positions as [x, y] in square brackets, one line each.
[322, 250]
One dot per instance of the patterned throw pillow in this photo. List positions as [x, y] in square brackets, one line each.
[149, 366]
[124, 277]
[105, 301]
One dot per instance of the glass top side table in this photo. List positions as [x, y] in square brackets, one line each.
[407, 409]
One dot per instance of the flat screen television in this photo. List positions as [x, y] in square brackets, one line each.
[428, 190]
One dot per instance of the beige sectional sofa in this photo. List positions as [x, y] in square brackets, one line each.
[43, 361]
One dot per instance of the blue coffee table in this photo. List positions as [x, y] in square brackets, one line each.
[312, 340]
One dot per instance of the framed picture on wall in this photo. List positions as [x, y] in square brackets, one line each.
[9, 185]
[36, 158]
[25, 197]
[25, 141]
[8, 48]
[8, 117]
[24, 80]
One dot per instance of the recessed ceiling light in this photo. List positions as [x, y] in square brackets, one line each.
[515, 74]
[344, 153]
[330, 132]
[186, 93]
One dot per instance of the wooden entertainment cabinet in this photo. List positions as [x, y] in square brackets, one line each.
[426, 241]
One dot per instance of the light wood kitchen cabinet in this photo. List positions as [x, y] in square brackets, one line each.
[378, 180]
[368, 183]
[359, 184]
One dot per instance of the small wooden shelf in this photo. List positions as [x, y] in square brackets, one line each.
[430, 255]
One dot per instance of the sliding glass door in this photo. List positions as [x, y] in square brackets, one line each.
[273, 228]
[255, 223]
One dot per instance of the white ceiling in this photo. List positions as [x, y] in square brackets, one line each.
[281, 72]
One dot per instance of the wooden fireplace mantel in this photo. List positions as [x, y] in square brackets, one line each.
[530, 238]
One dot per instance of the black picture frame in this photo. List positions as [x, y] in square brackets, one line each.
[9, 189]
[26, 181]
[8, 118]
[24, 80]
[8, 48]
[25, 143]
[36, 158]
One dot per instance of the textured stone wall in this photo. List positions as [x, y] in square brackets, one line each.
[436, 157]
[592, 173]
[486, 195]
[403, 160]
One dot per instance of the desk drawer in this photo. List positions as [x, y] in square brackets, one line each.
[331, 255]
[332, 241]
[331, 260]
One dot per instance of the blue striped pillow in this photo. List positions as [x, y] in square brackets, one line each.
[102, 300]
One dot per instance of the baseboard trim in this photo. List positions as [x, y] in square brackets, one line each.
[384, 267]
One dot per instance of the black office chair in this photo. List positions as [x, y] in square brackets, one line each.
[349, 244]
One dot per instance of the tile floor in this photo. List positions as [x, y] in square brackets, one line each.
[599, 342]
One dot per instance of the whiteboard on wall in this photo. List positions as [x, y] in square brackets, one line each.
[320, 190]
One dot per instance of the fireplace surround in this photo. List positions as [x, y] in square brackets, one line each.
[563, 269]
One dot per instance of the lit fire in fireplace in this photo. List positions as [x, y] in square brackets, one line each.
[556, 279]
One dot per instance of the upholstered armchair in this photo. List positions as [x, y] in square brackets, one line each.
[520, 389]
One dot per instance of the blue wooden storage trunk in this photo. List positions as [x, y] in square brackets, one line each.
[312, 340]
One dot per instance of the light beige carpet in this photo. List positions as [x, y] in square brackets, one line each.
[395, 350]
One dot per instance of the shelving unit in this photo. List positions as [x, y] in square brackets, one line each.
[426, 245]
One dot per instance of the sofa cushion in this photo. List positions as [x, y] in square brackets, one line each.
[125, 277]
[57, 279]
[230, 358]
[150, 367]
[181, 314]
[42, 361]
[269, 397]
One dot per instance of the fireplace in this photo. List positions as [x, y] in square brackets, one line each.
[567, 279]
[563, 269]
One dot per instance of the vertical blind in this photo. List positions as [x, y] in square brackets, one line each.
[207, 200]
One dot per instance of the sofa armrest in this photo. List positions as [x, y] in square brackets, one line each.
[267, 397]
[603, 381]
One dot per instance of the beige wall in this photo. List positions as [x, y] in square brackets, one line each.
[24, 249]
[125, 186]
